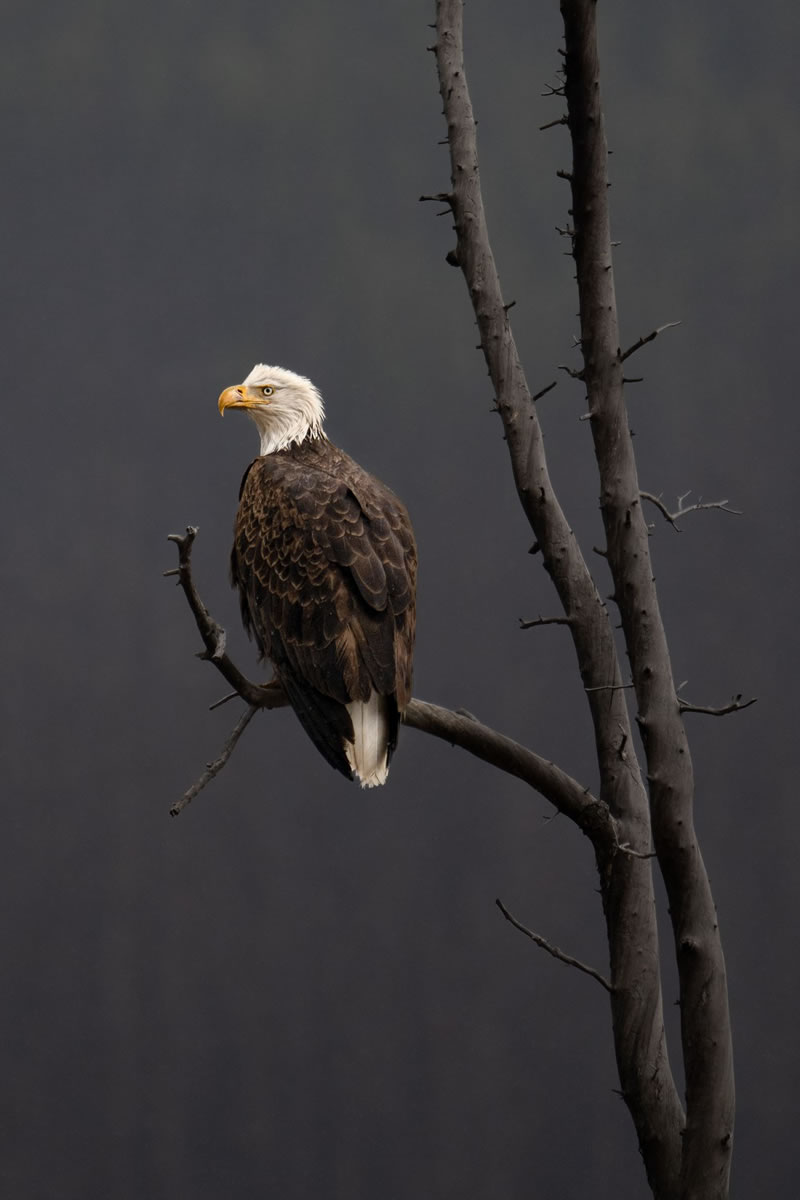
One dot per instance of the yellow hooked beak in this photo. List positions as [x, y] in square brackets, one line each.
[238, 397]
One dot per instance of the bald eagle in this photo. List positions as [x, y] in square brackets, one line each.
[325, 562]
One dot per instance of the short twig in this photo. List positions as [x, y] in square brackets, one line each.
[609, 687]
[736, 705]
[644, 340]
[544, 391]
[626, 848]
[681, 511]
[550, 124]
[213, 768]
[554, 950]
[543, 621]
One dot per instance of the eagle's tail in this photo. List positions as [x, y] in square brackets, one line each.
[374, 738]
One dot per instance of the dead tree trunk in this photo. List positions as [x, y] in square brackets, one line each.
[643, 812]
[683, 1158]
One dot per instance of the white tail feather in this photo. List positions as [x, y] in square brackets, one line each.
[367, 755]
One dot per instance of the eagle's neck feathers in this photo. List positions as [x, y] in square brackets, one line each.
[293, 413]
[281, 431]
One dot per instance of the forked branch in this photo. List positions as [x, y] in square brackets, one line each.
[682, 510]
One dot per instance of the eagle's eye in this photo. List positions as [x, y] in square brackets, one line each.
[267, 391]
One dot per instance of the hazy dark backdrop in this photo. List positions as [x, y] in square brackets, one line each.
[298, 988]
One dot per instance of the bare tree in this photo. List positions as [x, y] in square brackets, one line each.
[643, 815]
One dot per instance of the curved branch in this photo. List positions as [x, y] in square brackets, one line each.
[564, 792]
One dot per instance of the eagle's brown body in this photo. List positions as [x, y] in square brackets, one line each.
[325, 563]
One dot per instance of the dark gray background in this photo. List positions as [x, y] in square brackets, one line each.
[298, 988]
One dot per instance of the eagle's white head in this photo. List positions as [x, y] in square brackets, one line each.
[286, 408]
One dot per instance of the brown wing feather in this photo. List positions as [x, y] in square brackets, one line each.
[325, 562]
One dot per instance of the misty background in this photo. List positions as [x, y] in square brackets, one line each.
[298, 988]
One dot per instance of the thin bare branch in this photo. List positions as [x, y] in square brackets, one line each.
[551, 124]
[554, 950]
[543, 391]
[213, 768]
[681, 510]
[649, 338]
[736, 705]
[543, 621]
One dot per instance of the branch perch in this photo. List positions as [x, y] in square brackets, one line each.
[459, 728]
